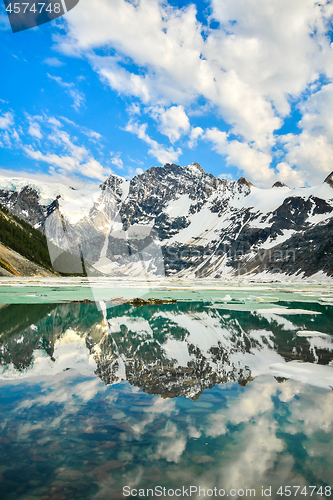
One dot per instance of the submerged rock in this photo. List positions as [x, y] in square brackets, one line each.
[137, 302]
[83, 301]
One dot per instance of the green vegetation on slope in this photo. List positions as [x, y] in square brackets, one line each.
[18, 235]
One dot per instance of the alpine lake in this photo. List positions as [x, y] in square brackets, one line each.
[224, 392]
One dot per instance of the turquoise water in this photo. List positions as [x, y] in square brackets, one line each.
[101, 402]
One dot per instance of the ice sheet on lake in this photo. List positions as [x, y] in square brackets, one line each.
[311, 333]
[264, 308]
[308, 373]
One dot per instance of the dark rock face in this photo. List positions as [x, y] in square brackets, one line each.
[279, 184]
[26, 205]
[113, 183]
[151, 191]
[204, 227]
[329, 180]
[306, 252]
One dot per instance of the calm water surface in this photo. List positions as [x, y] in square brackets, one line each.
[202, 393]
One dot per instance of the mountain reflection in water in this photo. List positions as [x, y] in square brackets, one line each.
[171, 350]
[90, 398]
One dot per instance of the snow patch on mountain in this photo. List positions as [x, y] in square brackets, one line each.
[47, 192]
[179, 207]
[272, 242]
[79, 207]
[202, 228]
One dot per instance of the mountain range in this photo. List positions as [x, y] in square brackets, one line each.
[179, 222]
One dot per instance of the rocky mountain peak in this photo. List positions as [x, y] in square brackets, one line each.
[169, 166]
[329, 180]
[279, 184]
[113, 182]
[196, 166]
[244, 182]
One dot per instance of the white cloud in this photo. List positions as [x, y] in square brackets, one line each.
[310, 153]
[62, 138]
[71, 159]
[6, 120]
[94, 136]
[64, 156]
[50, 177]
[15, 135]
[291, 176]
[257, 400]
[172, 444]
[228, 176]
[120, 79]
[133, 109]
[7, 132]
[162, 154]
[93, 169]
[51, 120]
[72, 164]
[196, 133]
[267, 38]
[253, 162]
[66, 163]
[263, 55]
[218, 138]
[238, 72]
[77, 96]
[116, 160]
[317, 112]
[173, 122]
[139, 162]
[53, 61]
[308, 415]
[5, 141]
[257, 454]
[34, 130]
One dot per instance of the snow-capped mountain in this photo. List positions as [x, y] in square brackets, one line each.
[180, 221]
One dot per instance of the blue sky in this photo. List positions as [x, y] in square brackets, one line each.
[244, 87]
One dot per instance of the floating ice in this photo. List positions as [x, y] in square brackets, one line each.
[311, 333]
[309, 373]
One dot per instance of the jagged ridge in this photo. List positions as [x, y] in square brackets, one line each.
[203, 226]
